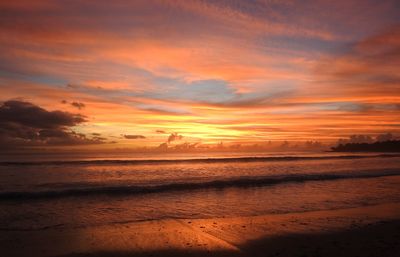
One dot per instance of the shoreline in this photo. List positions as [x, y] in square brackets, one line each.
[267, 235]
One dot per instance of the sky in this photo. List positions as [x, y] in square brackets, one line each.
[192, 74]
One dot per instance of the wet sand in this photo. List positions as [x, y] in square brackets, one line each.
[364, 231]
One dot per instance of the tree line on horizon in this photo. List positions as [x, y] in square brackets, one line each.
[380, 146]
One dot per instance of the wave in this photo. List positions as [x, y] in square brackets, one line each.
[242, 182]
[197, 160]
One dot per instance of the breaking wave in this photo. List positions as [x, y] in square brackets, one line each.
[242, 182]
[198, 160]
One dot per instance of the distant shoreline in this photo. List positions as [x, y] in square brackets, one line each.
[392, 146]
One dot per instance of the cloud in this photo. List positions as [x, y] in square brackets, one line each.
[209, 69]
[23, 123]
[78, 105]
[75, 104]
[134, 137]
[30, 115]
[369, 65]
[186, 146]
[159, 131]
[165, 110]
[163, 146]
[173, 137]
[213, 91]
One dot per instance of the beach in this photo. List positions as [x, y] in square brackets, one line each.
[363, 231]
[200, 128]
[299, 205]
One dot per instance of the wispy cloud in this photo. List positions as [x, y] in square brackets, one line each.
[213, 70]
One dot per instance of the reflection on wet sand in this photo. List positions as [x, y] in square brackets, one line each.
[344, 232]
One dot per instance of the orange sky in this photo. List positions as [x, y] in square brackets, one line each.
[238, 72]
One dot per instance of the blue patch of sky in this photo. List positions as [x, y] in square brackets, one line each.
[342, 106]
[39, 79]
[303, 45]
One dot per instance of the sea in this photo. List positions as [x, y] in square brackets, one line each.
[43, 192]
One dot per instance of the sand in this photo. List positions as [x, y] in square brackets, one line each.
[364, 231]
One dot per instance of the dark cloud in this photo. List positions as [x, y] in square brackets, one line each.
[23, 123]
[134, 137]
[161, 131]
[78, 105]
[173, 137]
[30, 115]
[52, 133]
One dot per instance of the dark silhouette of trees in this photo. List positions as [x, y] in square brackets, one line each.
[385, 146]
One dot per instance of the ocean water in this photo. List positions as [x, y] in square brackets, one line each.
[77, 192]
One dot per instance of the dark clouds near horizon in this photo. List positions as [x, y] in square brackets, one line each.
[134, 137]
[173, 137]
[26, 124]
